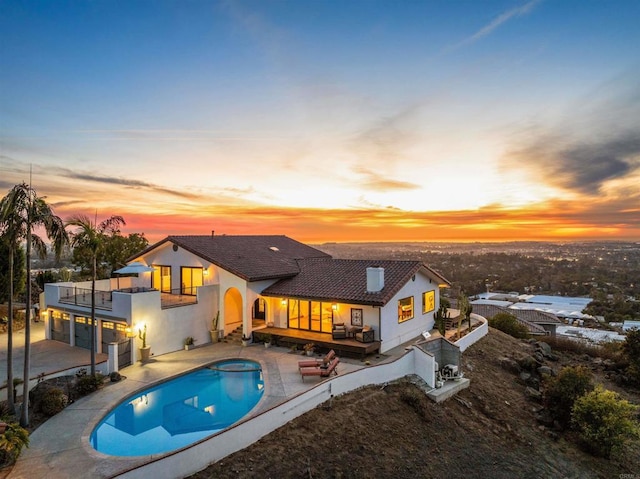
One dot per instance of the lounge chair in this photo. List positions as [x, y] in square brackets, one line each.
[316, 363]
[339, 331]
[322, 372]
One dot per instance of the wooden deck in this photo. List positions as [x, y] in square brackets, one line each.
[324, 341]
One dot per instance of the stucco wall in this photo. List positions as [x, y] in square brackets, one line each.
[394, 333]
[245, 433]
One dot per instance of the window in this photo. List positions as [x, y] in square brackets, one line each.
[191, 279]
[405, 309]
[161, 278]
[428, 301]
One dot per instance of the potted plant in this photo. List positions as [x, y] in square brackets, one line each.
[246, 340]
[309, 348]
[145, 351]
[188, 343]
[215, 335]
[268, 339]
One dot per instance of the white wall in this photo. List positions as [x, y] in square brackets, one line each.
[193, 459]
[393, 333]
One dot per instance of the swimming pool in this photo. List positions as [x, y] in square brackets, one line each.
[181, 411]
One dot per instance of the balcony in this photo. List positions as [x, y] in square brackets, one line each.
[104, 299]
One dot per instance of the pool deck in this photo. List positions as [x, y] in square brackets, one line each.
[60, 447]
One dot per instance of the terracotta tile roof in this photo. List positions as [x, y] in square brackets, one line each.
[252, 258]
[345, 280]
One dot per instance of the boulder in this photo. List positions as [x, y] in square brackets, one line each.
[529, 363]
[544, 348]
[538, 357]
[533, 394]
[546, 371]
[509, 365]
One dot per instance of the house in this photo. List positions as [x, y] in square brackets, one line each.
[251, 282]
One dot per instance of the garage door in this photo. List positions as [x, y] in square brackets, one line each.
[114, 332]
[83, 332]
[60, 328]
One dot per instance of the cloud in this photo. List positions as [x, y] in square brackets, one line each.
[497, 22]
[380, 182]
[595, 142]
[119, 181]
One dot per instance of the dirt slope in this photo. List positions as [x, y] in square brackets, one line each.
[396, 432]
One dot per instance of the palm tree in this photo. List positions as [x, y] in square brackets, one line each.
[91, 236]
[21, 211]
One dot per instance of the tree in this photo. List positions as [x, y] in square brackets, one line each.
[563, 391]
[604, 421]
[91, 237]
[22, 211]
[508, 323]
[631, 349]
[18, 269]
[119, 248]
[465, 312]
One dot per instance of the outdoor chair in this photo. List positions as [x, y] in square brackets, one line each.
[316, 363]
[365, 336]
[339, 331]
[321, 371]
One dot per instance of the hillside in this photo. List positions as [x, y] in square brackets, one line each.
[490, 430]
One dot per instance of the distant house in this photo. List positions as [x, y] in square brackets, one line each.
[537, 322]
[251, 282]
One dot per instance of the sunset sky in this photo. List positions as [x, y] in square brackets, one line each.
[328, 120]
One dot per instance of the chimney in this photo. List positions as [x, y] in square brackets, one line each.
[375, 279]
[212, 233]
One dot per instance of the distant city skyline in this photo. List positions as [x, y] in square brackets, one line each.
[329, 121]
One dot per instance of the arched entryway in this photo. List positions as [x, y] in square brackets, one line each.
[232, 309]
[260, 309]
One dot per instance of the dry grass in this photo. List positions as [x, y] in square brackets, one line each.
[611, 350]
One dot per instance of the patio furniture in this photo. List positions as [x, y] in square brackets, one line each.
[365, 336]
[353, 330]
[321, 371]
[316, 363]
[339, 331]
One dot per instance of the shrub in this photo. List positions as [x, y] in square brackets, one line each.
[604, 421]
[609, 350]
[86, 384]
[507, 323]
[12, 442]
[563, 390]
[631, 349]
[53, 401]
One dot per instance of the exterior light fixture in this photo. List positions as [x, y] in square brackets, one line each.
[283, 302]
[334, 306]
[205, 271]
[130, 333]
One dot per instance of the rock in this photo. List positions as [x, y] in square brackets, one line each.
[545, 418]
[538, 357]
[115, 377]
[609, 365]
[525, 376]
[528, 363]
[544, 348]
[510, 365]
[534, 382]
[533, 394]
[546, 371]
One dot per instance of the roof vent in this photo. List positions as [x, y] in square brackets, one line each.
[375, 280]
[274, 248]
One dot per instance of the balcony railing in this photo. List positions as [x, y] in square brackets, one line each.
[82, 297]
[177, 298]
[104, 299]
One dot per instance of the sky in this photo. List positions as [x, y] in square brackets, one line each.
[328, 120]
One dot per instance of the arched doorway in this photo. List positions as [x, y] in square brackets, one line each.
[232, 309]
[260, 309]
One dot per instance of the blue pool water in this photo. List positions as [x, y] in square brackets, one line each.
[181, 411]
